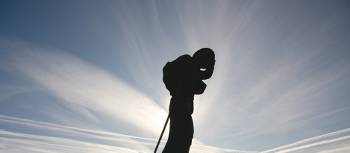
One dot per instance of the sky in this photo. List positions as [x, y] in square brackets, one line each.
[86, 75]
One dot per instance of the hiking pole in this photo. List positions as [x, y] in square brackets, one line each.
[161, 135]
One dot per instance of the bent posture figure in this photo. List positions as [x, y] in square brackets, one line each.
[183, 78]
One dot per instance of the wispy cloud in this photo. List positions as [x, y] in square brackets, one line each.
[91, 89]
[18, 142]
[337, 141]
[61, 138]
[282, 71]
[88, 86]
[77, 134]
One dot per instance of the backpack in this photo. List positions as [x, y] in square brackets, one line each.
[169, 76]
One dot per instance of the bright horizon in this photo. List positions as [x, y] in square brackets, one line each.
[88, 74]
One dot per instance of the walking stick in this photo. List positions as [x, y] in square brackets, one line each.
[161, 135]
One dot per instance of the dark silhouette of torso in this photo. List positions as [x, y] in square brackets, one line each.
[183, 78]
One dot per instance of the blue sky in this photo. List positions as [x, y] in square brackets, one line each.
[88, 73]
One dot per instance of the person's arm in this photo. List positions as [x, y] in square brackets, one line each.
[199, 87]
[208, 72]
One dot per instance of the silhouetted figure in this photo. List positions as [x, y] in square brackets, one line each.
[183, 78]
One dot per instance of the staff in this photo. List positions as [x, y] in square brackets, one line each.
[161, 135]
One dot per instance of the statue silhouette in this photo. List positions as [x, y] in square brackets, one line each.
[183, 78]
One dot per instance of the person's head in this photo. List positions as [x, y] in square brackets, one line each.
[204, 57]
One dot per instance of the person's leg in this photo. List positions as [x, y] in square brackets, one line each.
[188, 134]
[181, 130]
[177, 142]
[182, 140]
